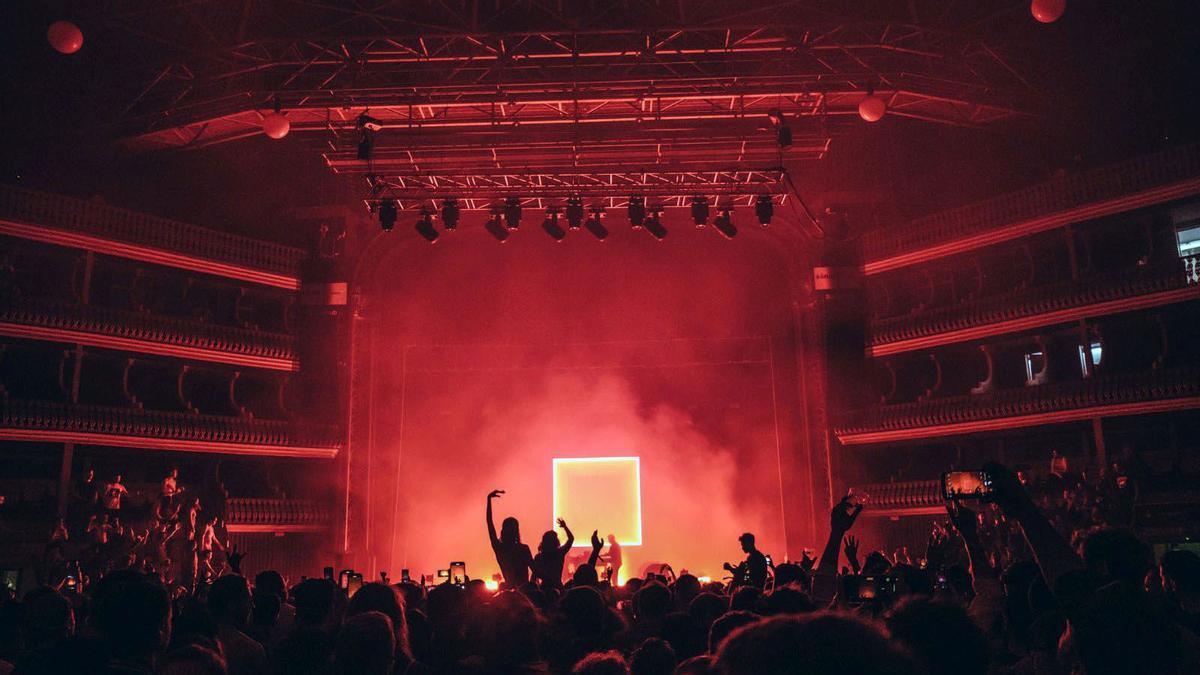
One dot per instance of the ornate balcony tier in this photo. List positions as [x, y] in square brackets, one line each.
[277, 515]
[908, 498]
[53, 422]
[148, 334]
[66, 221]
[1133, 184]
[1111, 396]
[1027, 309]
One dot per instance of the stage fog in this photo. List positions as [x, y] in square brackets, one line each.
[484, 362]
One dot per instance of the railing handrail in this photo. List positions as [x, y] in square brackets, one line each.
[1019, 303]
[150, 327]
[1052, 196]
[70, 213]
[1102, 389]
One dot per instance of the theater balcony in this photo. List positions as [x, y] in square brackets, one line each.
[145, 333]
[1029, 308]
[1072, 198]
[93, 226]
[1112, 395]
[55, 422]
[277, 515]
[905, 498]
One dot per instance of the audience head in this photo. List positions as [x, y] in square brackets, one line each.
[602, 663]
[313, 600]
[49, 616]
[707, 606]
[940, 635]
[271, 582]
[510, 531]
[726, 624]
[652, 657]
[510, 632]
[192, 660]
[651, 602]
[1117, 555]
[745, 598]
[366, 644]
[788, 600]
[229, 600]
[132, 614]
[549, 542]
[831, 644]
[747, 542]
[379, 597]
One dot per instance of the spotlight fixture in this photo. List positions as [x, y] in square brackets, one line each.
[654, 224]
[450, 214]
[574, 213]
[426, 229]
[724, 223]
[551, 226]
[594, 225]
[700, 210]
[387, 214]
[764, 208]
[512, 212]
[637, 211]
[495, 228]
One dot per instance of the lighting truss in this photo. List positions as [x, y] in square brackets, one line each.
[539, 191]
[423, 66]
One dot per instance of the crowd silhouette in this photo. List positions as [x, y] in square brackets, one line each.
[1024, 584]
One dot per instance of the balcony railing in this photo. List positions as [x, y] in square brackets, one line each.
[150, 333]
[997, 313]
[912, 497]
[109, 222]
[1122, 394]
[129, 427]
[1053, 196]
[277, 515]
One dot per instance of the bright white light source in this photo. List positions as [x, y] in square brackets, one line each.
[599, 493]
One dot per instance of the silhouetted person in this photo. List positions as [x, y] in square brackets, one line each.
[513, 557]
[614, 558]
[753, 570]
[229, 604]
[548, 563]
[366, 644]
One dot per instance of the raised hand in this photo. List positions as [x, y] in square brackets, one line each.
[807, 562]
[235, 558]
[1008, 493]
[597, 544]
[561, 523]
[844, 513]
[851, 547]
[963, 519]
[495, 494]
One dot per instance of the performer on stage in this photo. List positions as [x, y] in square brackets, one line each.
[613, 559]
[753, 570]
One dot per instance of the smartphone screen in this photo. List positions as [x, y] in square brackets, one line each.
[458, 573]
[329, 573]
[354, 583]
[966, 485]
[344, 579]
[404, 575]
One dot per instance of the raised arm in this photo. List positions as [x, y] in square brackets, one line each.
[841, 519]
[597, 544]
[1053, 553]
[492, 525]
[566, 548]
